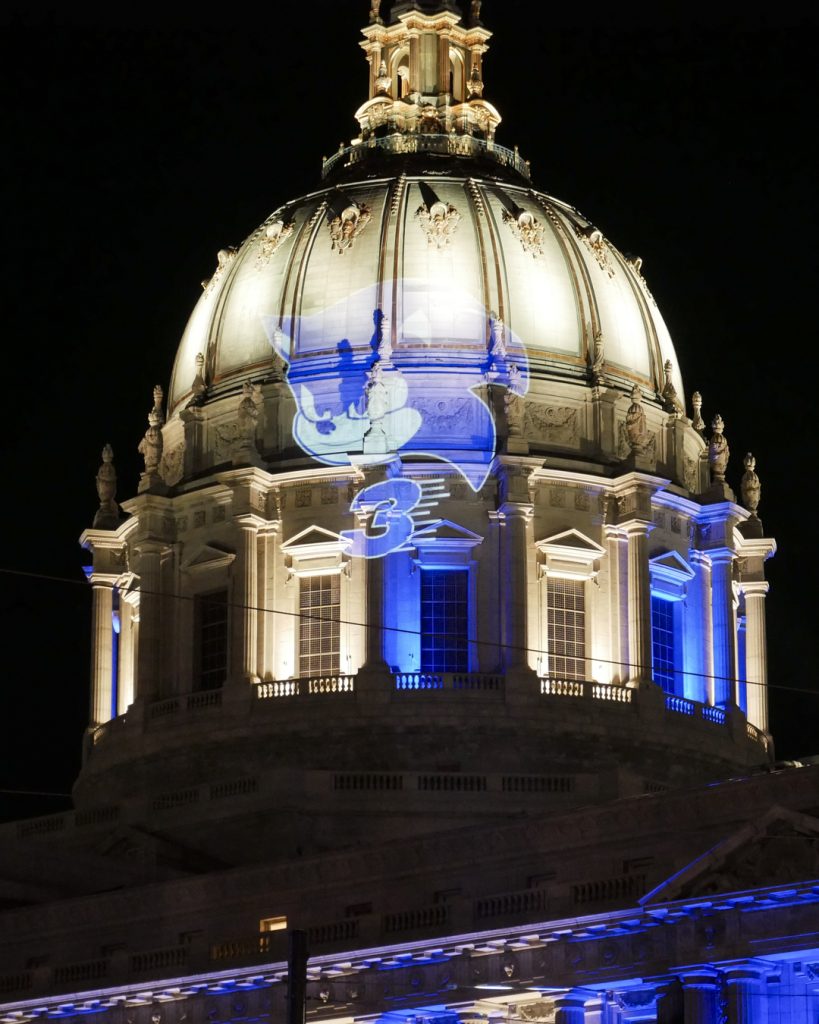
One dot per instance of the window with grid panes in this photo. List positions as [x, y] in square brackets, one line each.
[444, 620]
[566, 628]
[663, 644]
[211, 617]
[319, 625]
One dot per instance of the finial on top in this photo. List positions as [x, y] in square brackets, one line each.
[375, 12]
[671, 400]
[107, 515]
[698, 423]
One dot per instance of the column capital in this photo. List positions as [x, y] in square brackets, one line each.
[720, 556]
[755, 588]
[250, 521]
[512, 509]
[698, 976]
[103, 579]
[744, 970]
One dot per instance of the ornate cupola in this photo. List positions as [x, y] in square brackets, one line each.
[426, 90]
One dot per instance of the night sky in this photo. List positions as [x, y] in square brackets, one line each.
[133, 153]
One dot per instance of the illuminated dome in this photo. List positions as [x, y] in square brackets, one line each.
[429, 243]
[426, 501]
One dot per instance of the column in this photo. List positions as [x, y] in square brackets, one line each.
[756, 658]
[512, 569]
[618, 605]
[700, 996]
[150, 636]
[744, 994]
[724, 625]
[246, 603]
[639, 602]
[374, 622]
[669, 1001]
[706, 647]
[102, 648]
[570, 1008]
[127, 650]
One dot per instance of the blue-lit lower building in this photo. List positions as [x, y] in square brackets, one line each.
[434, 630]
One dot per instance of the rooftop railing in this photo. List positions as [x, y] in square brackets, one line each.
[446, 145]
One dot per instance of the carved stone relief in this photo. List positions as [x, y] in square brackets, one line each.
[676, 525]
[171, 466]
[582, 501]
[555, 424]
[597, 246]
[557, 497]
[272, 237]
[443, 414]
[303, 497]
[224, 439]
[329, 495]
[219, 514]
[438, 222]
[347, 226]
[527, 229]
[199, 517]
[690, 475]
[223, 260]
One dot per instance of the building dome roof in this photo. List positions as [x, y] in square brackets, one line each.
[440, 256]
[426, 259]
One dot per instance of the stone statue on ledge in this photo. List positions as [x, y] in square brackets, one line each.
[751, 489]
[199, 387]
[107, 515]
[247, 419]
[718, 451]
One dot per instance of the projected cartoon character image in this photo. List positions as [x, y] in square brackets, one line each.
[359, 402]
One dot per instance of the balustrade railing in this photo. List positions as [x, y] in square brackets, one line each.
[463, 681]
[420, 142]
[586, 688]
[305, 687]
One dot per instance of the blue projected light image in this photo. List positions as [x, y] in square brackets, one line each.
[359, 402]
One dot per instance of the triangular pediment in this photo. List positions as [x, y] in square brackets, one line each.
[208, 556]
[779, 848]
[673, 563]
[574, 541]
[445, 530]
[312, 536]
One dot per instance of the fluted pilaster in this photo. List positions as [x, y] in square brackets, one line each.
[756, 658]
[724, 626]
[639, 602]
[102, 648]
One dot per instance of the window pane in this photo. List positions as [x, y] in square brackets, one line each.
[319, 625]
[444, 620]
[211, 617]
[566, 628]
[663, 643]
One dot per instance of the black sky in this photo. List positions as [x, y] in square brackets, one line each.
[134, 150]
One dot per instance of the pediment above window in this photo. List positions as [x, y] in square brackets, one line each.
[670, 574]
[314, 551]
[570, 555]
[444, 543]
[207, 557]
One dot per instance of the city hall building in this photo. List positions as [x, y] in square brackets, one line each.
[433, 629]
